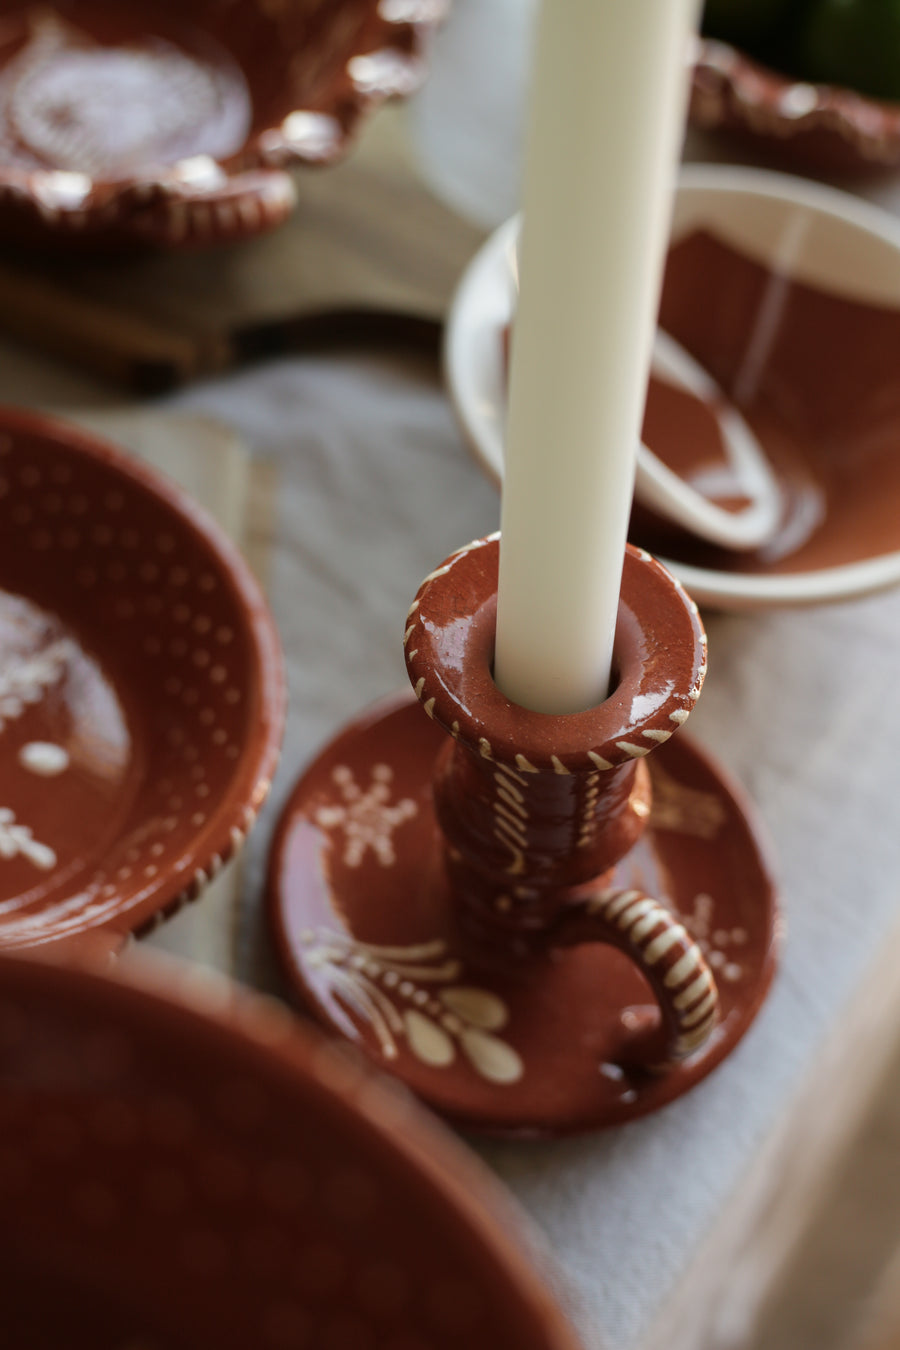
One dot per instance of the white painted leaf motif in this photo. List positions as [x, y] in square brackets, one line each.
[427, 1040]
[491, 1057]
[367, 818]
[476, 1006]
[370, 983]
[17, 841]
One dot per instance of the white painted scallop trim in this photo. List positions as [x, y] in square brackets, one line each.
[724, 82]
[629, 750]
[237, 837]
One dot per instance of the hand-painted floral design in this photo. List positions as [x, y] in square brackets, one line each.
[367, 818]
[413, 993]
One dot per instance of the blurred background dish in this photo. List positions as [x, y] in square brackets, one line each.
[174, 124]
[815, 80]
[747, 512]
[787, 295]
[184, 1166]
[141, 692]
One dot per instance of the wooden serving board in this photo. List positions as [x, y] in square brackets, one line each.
[150, 321]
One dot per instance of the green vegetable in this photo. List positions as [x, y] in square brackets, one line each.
[748, 23]
[854, 43]
[766, 29]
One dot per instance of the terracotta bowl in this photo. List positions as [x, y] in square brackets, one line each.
[174, 123]
[818, 126]
[193, 1169]
[141, 691]
[787, 295]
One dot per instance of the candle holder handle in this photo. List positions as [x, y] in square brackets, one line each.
[669, 959]
[521, 914]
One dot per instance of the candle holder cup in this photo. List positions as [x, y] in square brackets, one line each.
[529, 920]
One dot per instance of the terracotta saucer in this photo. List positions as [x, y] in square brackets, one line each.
[141, 691]
[181, 1166]
[364, 929]
[787, 294]
[174, 125]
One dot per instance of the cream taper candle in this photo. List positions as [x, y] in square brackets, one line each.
[605, 125]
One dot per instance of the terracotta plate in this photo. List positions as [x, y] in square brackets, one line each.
[818, 126]
[183, 1167]
[363, 924]
[174, 124]
[787, 294]
[141, 690]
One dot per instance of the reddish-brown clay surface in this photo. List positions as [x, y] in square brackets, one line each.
[183, 1168]
[173, 124]
[440, 950]
[141, 690]
[824, 406]
[820, 127]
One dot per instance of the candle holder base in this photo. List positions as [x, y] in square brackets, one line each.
[543, 1044]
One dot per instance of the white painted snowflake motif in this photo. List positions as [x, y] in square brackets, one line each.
[367, 818]
[717, 944]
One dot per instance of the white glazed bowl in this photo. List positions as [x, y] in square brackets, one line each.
[788, 294]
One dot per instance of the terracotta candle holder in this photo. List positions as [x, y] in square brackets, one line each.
[534, 926]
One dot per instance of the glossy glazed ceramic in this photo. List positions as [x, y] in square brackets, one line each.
[141, 690]
[787, 295]
[505, 908]
[174, 124]
[184, 1167]
[818, 126]
[742, 517]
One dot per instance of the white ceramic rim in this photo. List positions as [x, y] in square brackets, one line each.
[473, 363]
[670, 496]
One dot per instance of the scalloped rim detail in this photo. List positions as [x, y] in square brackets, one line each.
[730, 89]
[393, 69]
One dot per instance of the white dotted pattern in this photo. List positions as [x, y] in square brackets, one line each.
[180, 619]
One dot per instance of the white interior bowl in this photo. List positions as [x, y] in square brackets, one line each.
[786, 296]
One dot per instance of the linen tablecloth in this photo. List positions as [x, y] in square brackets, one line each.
[375, 488]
